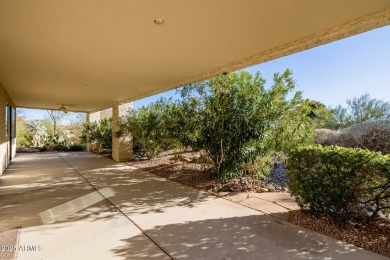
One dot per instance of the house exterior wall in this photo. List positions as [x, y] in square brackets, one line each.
[96, 116]
[6, 130]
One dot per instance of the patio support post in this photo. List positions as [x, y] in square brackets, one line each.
[88, 144]
[122, 147]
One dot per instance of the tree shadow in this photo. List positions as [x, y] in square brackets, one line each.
[34, 191]
[247, 237]
[28, 190]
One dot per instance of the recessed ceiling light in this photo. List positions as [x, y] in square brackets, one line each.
[158, 21]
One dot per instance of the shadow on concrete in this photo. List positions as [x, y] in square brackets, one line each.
[249, 237]
[43, 189]
[47, 196]
[136, 191]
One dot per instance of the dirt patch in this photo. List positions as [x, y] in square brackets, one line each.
[187, 168]
[180, 170]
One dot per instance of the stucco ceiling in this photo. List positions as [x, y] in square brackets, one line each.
[90, 54]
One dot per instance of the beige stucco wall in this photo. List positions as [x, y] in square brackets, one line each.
[4, 137]
[96, 116]
[122, 147]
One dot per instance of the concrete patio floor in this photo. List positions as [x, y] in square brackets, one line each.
[83, 206]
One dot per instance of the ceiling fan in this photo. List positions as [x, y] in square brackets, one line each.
[63, 109]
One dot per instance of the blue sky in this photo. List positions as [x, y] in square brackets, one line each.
[329, 73]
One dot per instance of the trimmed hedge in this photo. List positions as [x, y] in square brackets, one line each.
[344, 183]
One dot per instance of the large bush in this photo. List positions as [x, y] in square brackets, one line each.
[233, 119]
[98, 133]
[182, 122]
[239, 120]
[372, 135]
[148, 127]
[342, 182]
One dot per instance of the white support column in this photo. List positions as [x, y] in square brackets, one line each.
[122, 148]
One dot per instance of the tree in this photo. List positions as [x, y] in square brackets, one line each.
[21, 132]
[364, 108]
[320, 116]
[56, 117]
[77, 118]
[341, 118]
[359, 110]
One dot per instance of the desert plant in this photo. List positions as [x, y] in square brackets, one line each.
[373, 135]
[320, 116]
[359, 110]
[342, 182]
[36, 134]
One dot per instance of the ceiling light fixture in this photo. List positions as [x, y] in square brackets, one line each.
[158, 21]
[63, 109]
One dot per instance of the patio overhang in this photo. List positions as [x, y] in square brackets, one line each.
[89, 55]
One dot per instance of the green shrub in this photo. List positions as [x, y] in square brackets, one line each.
[341, 182]
[147, 125]
[98, 132]
[239, 120]
[76, 148]
[59, 148]
[182, 123]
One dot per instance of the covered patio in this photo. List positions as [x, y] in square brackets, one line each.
[91, 56]
[80, 205]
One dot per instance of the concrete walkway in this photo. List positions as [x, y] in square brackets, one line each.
[83, 206]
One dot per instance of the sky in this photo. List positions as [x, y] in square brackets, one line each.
[330, 73]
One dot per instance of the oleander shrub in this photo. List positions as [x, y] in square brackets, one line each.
[372, 135]
[147, 125]
[342, 182]
[98, 133]
[238, 121]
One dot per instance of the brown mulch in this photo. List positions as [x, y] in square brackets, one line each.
[188, 169]
[180, 170]
[374, 236]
